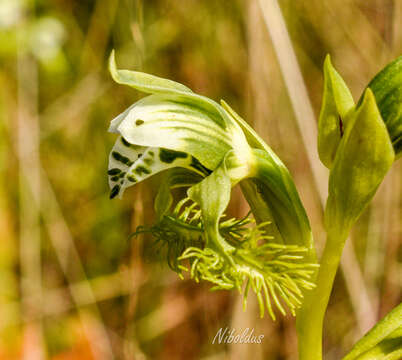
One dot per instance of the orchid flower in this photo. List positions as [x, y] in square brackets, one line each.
[207, 148]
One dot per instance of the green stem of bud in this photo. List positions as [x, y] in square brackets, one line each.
[310, 318]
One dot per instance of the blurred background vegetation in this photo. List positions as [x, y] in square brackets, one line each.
[73, 284]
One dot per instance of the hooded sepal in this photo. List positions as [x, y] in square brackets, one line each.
[272, 194]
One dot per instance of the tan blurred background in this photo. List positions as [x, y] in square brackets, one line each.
[73, 284]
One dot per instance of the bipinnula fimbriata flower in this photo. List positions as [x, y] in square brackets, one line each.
[207, 148]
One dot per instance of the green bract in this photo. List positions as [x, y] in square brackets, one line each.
[336, 103]
[207, 148]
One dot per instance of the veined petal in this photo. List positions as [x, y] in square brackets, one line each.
[158, 121]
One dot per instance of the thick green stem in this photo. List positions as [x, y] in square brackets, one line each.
[310, 318]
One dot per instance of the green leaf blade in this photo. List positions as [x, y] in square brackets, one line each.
[387, 329]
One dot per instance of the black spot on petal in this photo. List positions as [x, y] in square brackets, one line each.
[114, 171]
[114, 191]
[123, 159]
[168, 156]
[340, 125]
[142, 170]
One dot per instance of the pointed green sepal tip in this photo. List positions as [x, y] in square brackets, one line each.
[146, 83]
[364, 156]
[112, 66]
[336, 104]
[387, 89]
